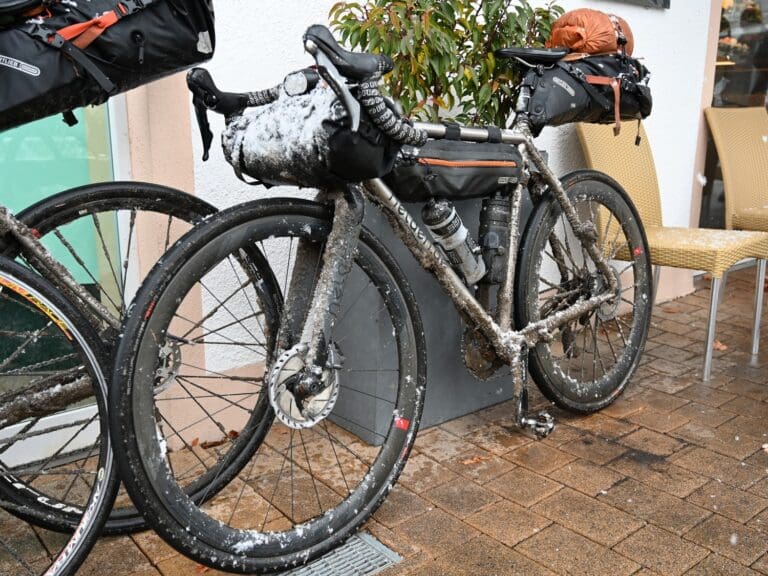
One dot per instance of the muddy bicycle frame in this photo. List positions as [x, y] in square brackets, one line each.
[509, 344]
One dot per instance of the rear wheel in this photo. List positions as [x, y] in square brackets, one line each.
[55, 453]
[590, 360]
[308, 482]
[97, 231]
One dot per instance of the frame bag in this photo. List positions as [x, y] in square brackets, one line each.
[601, 89]
[57, 56]
[454, 170]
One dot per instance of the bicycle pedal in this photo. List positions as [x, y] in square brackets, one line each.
[542, 424]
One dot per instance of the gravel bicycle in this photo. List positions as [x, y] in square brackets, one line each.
[319, 391]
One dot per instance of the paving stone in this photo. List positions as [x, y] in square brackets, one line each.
[761, 565]
[523, 486]
[746, 406]
[719, 440]
[641, 501]
[594, 448]
[566, 552]
[562, 435]
[667, 367]
[422, 473]
[145, 572]
[705, 415]
[479, 465]
[651, 442]
[539, 457]
[659, 401]
[716, 564]
[152, 546]
[461, 498]
[733, 472]
[436, 532]
[393, 540]
[728, 501]
[623, 407]
[605, 426]
[587, 516]
[487, 557]
[730, 539]
[672, 355]
[707, 394]
[760, 489]
[586, 477]
[181, 566]
[661, 551]
[658, 421]
[748, 390]
[497, 439]
[120, 554]
[440, 445]
[755, 427]
[400, 505]
[464, 425]
[658, 472]
[508, 523]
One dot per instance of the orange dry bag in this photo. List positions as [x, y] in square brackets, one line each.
[591, 32]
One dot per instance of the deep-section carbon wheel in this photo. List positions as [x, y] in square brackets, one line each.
[55, 454]
[305, 480]
[590, 360]
[109, 235]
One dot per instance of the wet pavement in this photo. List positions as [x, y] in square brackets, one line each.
[670, 479]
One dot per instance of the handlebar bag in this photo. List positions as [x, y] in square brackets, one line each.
[454, 170]
[601, 89]
[73, 54]
[305, 141]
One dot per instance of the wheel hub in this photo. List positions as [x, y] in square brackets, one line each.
[598, 286]
[170, 364]
[294, 410]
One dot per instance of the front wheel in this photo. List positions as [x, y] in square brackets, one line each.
[590, 360]
[196, 373]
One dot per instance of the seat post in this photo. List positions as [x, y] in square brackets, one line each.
[714, 300]
[758, 305]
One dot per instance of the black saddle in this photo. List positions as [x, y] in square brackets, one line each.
[351, 65]
[533, 56]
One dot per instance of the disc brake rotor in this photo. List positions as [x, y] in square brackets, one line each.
[304, 412]
[170, 364]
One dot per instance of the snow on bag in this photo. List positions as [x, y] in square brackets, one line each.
[58, 55]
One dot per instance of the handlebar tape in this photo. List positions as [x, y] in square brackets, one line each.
[384, 118]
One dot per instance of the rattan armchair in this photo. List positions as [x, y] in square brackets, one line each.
[712, 251]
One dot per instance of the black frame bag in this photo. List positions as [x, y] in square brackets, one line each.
[600, 89]
[454, 170]
[79, 54]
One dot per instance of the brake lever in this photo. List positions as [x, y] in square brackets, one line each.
[336, 81]
[201, 113]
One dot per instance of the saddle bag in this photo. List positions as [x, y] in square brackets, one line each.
[57, 55]
[306, 141]
[601, 89]
[454, 170]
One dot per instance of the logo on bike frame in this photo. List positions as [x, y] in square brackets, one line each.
[37, 304]
[15, 64]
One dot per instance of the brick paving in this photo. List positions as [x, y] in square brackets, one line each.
[670, 479]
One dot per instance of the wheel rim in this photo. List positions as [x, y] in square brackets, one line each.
[587, 356]
[329, 467]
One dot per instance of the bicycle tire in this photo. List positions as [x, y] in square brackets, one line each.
[555, 271]
[85, 211]
[310, 530]
[46, 321]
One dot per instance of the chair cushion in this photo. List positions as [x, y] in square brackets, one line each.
[713, 251]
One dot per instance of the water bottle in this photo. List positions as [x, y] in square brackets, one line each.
[449, 231]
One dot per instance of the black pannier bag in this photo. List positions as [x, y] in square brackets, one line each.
[601, 89]
[454, 170]
[73, 54]
[305, 140]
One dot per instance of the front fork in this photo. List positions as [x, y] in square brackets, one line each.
[312, 308]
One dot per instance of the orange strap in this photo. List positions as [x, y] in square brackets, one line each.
[467, 163]
[614, 83]
[84, 33]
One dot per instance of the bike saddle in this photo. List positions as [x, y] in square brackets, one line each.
[204, 90]
[533, 56]
[351, 65]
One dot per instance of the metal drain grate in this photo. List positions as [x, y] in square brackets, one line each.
[361, 555]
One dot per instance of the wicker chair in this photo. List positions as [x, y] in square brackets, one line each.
[713, 251]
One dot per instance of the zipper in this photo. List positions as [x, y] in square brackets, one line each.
[139, 39]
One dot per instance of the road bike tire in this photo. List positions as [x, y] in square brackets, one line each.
[334, 479]
[94, 211]
[38, 320]
[589, 362]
